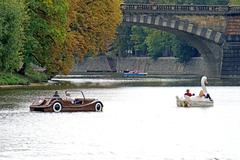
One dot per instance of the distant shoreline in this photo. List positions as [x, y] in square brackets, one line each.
[115, 80]
[31, 85]
[63, 82]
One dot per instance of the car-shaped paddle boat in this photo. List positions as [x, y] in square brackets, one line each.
[67, 104]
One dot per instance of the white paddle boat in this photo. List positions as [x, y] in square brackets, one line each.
[201, 100]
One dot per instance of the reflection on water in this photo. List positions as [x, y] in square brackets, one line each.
[120, 81]
[139, 123]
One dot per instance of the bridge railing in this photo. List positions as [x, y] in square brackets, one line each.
[181, 9]
[234, 10]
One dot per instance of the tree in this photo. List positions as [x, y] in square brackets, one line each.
[184, 53]
[160, 42]
[138, 39]
[12, 26]
[123, 46]
[92, 25]
[46, 35]
[234, 2]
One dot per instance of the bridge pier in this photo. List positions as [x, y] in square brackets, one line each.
[231, 59]
[231, 49]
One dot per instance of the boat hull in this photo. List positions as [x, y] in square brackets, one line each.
[135, 74]
[194, 102]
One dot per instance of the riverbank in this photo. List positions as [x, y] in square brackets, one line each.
[115, 80]
[39, 86]
[13, 79]
[17, 80]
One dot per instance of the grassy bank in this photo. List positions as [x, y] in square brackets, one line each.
[13, 79]
[17, 79]
[36, 77]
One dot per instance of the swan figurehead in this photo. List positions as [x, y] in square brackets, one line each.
[203, 84]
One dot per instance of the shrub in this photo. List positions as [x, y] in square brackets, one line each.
[12, 79]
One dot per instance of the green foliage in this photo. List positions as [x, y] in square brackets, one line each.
[138, 37]
[35, 76]
[159, 42]
[46, 33]
[38, 32]
[234, 2]
[185, 53]
[12, 36]
[12, 79]
[123, 46]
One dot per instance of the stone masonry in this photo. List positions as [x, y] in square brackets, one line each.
[213, 30]
[162, 66]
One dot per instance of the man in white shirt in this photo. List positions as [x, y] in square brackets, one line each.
[69, 98]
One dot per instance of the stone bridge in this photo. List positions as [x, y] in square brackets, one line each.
[214, 30]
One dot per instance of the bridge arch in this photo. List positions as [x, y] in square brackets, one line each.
[207, 39]
[167, 23]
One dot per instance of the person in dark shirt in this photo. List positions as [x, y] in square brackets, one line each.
[56, 95]
[188, 93]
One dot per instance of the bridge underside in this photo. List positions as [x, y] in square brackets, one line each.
[209, 49]
[175, 23]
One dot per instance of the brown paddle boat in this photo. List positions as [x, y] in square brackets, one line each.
[67, 104]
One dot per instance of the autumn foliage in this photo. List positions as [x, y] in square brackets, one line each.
[92, 25]
[54, 33]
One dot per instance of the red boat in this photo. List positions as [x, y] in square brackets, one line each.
[59, 104]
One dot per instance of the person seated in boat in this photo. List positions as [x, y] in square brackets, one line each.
[126, 71]
[201, 94]
[208, 96]
[69, 97]
[56, 95]
[188, 93]
[205, 95]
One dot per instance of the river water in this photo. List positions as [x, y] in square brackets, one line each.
[137, 123]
